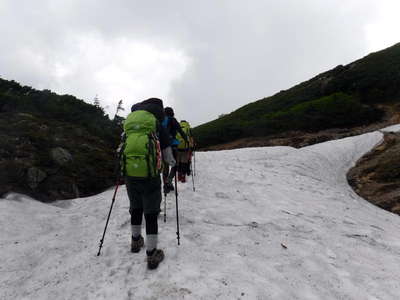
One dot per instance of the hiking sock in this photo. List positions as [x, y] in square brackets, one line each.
[151, 231]
[151, 243]
[136, 231]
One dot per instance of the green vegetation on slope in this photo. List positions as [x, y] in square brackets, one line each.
[49, 105]
[54, 147]
[343, 97]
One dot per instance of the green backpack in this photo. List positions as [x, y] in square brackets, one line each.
[186, 129]
[142, 153]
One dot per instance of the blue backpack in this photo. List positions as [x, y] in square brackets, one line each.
[166, 124]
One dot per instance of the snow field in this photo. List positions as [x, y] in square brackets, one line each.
[264, 223]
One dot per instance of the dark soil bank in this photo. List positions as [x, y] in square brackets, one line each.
[376, 176]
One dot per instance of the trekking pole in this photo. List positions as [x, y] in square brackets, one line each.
[108, 218]
[194, 189]
[177, 211]
[120, 151]
[165, 207]
[194, 161]
[165, 196]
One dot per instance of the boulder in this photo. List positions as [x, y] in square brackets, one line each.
[61, 156]
[35, 176]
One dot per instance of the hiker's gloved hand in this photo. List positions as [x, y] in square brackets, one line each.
[168, 157]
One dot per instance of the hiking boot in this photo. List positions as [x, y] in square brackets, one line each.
[154, 257]
[137, 244]
[168, 187]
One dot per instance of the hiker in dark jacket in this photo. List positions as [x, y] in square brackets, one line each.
[145, 139]
[173, 127]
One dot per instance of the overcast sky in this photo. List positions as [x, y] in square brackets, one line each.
[204, 58]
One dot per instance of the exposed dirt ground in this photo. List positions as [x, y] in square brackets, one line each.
[376, 176]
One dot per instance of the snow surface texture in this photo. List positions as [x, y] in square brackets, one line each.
[264, 223]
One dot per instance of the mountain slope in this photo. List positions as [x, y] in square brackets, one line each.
[52, 146]
[264, 223]
[357, 94]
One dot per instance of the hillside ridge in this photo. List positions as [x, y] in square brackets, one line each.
[54, 146]
[346, 97]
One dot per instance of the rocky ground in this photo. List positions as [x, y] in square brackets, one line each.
[48, 160]
[376, 176]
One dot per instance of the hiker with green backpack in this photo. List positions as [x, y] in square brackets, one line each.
[184, 155]
[147, 145]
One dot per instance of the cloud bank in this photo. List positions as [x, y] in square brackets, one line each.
[204, 58]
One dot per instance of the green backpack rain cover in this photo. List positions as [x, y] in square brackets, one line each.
[186, 129]
[142, 149]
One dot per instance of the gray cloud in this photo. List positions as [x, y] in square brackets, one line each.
[203, 57]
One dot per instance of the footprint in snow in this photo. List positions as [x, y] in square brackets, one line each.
[125, 223]
[221, 195]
